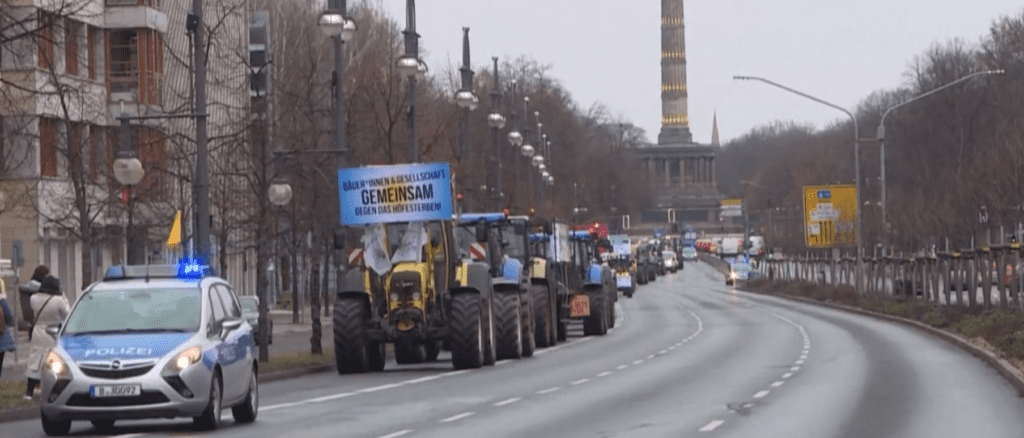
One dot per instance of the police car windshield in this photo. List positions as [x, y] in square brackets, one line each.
[132, 310]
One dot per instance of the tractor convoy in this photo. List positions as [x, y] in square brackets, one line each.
[485, 286]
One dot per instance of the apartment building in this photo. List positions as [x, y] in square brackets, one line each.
[69, 70]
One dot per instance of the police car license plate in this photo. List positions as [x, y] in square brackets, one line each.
[98, 391]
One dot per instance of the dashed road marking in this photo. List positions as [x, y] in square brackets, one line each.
[331, 397]
[508, 402]
[663, 352]
[456, 417]
[397, 434]
[712, 426]
[579, 382]
[795, 369]
[777, 384]
[761, 394]
[800, 362]
[604, 374]
[787, 375]
[622, 367]
[549, 390]
[649, 357]
[638, 362]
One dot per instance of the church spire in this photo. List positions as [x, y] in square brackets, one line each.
[714, 130]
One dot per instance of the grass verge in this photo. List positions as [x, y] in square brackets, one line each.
[1002, 330]
[10, 395]
[296, 360]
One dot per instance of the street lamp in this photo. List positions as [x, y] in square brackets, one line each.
[412, 67]
[496, 121]
[129, 172]
[333, 22]
[856, 166]
[881, 135]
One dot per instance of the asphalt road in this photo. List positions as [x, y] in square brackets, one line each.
[689, 357]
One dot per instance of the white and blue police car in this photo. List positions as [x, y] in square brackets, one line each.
[151, 341]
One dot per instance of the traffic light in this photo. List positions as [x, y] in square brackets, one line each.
[506, 211]
[532, 212]
[458, 197]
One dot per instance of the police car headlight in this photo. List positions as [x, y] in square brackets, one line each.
[732, 275]
[187, 358]
[56, 365]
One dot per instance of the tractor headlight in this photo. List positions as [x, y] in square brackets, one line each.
[56, 365]
[394, 296]
[416, 296]
[187, 358]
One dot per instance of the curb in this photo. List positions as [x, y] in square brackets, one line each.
[31, 412]
[1005, 369]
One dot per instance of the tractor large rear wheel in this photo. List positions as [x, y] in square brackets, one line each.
[597, 322]
[466, 337]
[542, 320]
[508, 326]
[350, 344]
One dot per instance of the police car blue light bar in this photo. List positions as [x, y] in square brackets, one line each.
[472, 218]
[579, 235]
[539, 237]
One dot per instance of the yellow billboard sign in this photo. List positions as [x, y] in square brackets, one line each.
[830, 215]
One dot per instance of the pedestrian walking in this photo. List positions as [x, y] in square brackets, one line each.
[49, 307]
[8, 326]
[28, 289]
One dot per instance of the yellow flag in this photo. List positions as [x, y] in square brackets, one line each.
[175, 237]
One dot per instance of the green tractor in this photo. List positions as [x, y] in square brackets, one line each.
[412, 289]
[502, 242]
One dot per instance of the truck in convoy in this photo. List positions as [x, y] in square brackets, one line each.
[731, 246]
[755, 246]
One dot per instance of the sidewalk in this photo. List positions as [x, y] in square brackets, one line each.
[287, 338]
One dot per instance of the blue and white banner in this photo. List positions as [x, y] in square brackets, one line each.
[400, 193]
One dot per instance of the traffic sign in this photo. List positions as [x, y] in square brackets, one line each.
[830, 215]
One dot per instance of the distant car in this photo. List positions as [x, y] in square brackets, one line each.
[251, 313]
[671, 263]
[158, 341]
[737, 272]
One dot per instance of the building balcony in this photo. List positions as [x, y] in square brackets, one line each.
[130, 14]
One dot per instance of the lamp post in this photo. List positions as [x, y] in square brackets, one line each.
[856, 171]
[496, 121]
[466, 99]
[412, 67]
[528, 152]
[129, 172]
[881, 136]
[515, 139]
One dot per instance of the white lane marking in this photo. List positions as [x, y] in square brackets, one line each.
[423, 379]
[508, 402]
[331, 397]
[663, 352]
[454, 373]
[800, 362]
[787, 375]
[795, 369]
[381, 387]
[579, 382]
[549, 390]
[130, 435]
[456, 417]
[280, 406]
[650, 357]
[712, 426]
[761, 394]
[604, 374]
[803, 356]
[622, 367]
[398, 434]
[777, 384]
[638, 362]
[502, 362]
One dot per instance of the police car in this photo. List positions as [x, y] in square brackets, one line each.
[151, 341]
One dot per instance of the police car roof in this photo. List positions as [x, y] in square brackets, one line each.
[472, 218]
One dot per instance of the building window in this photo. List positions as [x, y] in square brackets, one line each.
[45, 22]
[124, 62]
[136, 65]
[48, 147]
[71, 47]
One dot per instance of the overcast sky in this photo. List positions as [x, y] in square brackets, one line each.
[609, 51]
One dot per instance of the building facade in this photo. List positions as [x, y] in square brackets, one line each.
[72, 67]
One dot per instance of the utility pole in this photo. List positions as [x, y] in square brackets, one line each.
[202, 186]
